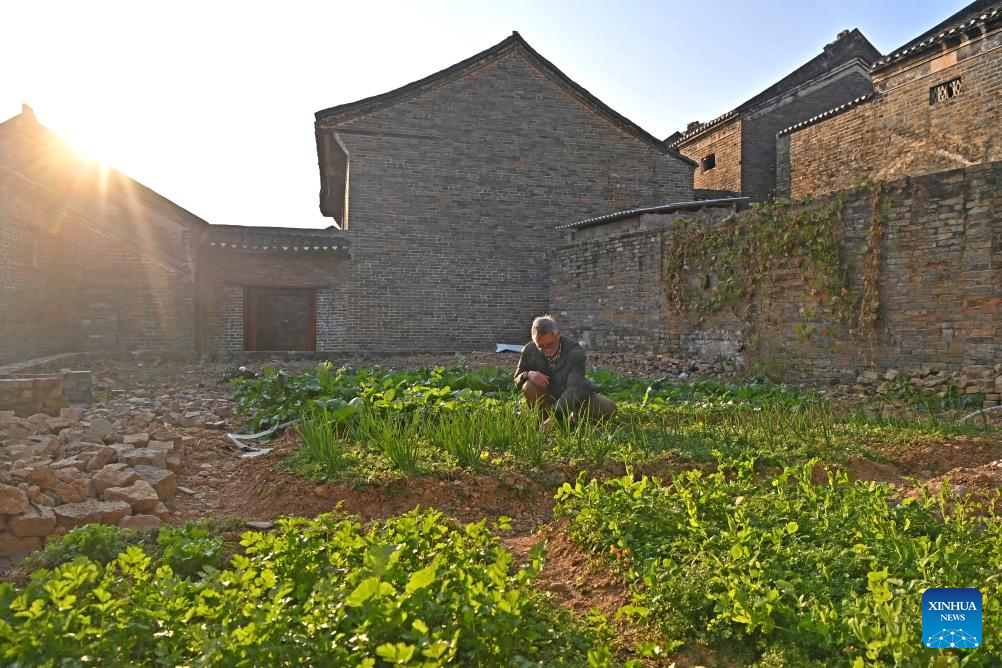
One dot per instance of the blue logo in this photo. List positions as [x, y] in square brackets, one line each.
[951, 618]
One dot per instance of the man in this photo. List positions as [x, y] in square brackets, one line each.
[551, 375]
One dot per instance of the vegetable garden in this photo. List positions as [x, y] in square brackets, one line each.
[754, 545]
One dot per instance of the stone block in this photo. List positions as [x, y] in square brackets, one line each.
[162, 480]
[38, 521]
[140, 440]
[102, 458]
[148, 456]
[140, 522]
[162, 512]
[43, 476]
[140, 496]
[72, 515]
[113, 477]
[13, 501]
[13, 546]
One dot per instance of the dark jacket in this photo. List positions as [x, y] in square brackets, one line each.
[568, 384]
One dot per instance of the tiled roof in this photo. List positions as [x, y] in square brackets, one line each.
[853, 45]
[245, 237]
[827, 114]
[515, 41]
[694, 205]
[974, 14]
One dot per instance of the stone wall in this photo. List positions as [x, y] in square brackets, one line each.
[939, 287]
[899, 132]
[454, 196]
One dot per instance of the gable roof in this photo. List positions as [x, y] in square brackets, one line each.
[980, 11]
[848, 46]
[26, 124]
[514, 42]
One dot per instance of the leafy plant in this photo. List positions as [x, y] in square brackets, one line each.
[189, 549]
[829, 571]
[414, 590]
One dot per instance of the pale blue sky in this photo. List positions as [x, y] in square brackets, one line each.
[211, 103]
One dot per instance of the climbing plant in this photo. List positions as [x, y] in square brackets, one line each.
[869, 303]
[730, 259]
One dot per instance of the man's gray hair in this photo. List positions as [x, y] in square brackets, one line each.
[544, 324]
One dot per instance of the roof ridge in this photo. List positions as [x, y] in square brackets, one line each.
[989, 14]
[834, 111]
[759, 99]
[660, 208]
[27, 124]
[515, 40]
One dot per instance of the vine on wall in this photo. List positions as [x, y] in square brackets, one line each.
[731, 259]
[869, 303]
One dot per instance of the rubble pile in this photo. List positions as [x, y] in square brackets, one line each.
[114, 462]
[939, 381]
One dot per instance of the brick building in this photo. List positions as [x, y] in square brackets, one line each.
[89, 258]
[936, 105]
[736, 152]
[457, 182]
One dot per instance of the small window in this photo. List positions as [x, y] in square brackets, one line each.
[709, 162]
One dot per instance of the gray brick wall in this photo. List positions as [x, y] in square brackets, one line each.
[65, 286]
[899, 132]
[939, 286]
[759, 128]
[454, 195]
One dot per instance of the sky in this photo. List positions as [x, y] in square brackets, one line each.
[212, 103]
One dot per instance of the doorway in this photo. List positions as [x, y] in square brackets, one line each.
[280, 319]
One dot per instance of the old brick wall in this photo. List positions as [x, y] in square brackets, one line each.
[226, 274]
[36, 279]
[899, 132]
[939, 284]
[759, 127]
[65, 287]
[724, 143]
[454, 195]
[89, 259]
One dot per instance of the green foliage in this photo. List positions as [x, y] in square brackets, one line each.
[832, 573]
[278, 397]
[189, 549]
[380, 438]
[415, 590]
[97, 542]
[318, 429]
[734, 257]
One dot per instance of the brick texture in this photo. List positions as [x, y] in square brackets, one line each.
[66, 286]
[899, 132]
[454, 194]
[939, 285]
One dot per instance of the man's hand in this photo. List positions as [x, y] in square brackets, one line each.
[539, 379]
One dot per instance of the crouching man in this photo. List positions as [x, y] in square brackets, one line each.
[551, 375]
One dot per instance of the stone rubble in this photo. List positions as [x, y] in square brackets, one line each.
[113, 462]
[937, 380]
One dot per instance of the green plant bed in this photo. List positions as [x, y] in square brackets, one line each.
[788, 571]
[415, 590]
[366, 425]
